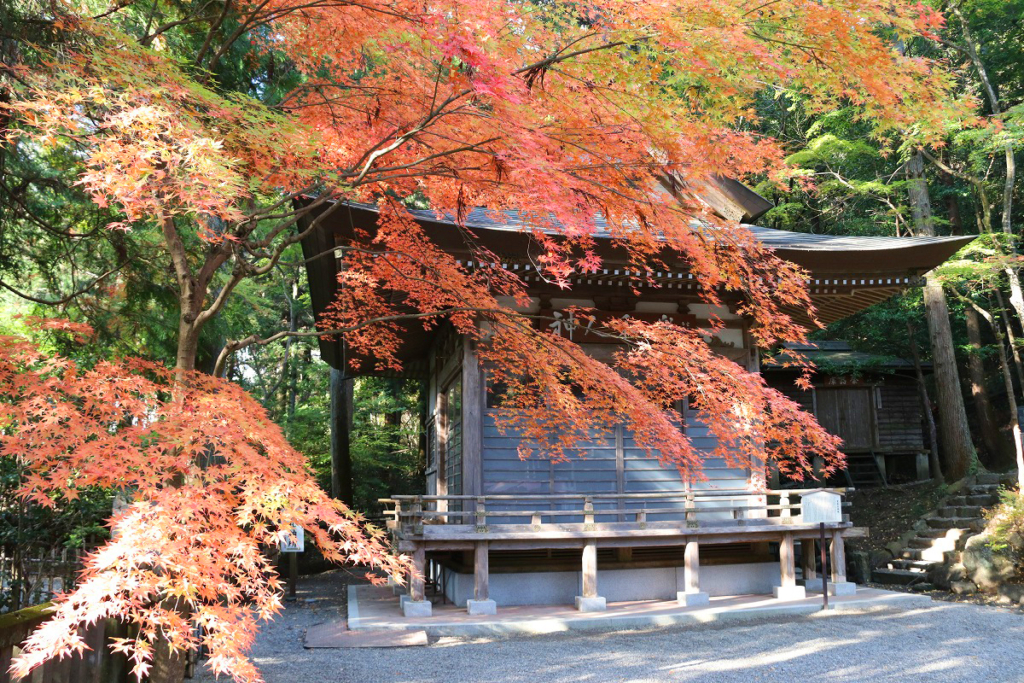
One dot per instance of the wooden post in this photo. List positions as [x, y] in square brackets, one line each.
[481, 571]
[838, 558]
[588, 514]
[691, 509]
[590, 570]
[417, 605]
[481, 516]
[691, 595]
[691, 558]
[786, 561]
[481, 604]
[807, 554]
[787, 565]
[416, 583]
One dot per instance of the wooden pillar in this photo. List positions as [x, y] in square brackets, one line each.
[481, 604]
[416, 605]
[691, 595]
[807, 557]
[590, 570]
[590, 601]
[787, 566]
[691, 558]
[838, 558]
[481, 572]
[419, 563]
[787, 561]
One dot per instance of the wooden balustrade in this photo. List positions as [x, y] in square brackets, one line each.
[738, 507]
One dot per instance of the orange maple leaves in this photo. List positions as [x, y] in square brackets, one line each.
[213, 485]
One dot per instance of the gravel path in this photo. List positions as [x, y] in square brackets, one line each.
[944, 642]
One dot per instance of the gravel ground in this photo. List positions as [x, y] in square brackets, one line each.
[945, 642]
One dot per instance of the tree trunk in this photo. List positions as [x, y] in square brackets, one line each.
[954, 432]
[1011, 396]
[979, 392]
[934, 462]
[341, 434]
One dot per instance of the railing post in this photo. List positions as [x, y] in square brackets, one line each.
[785, 512]
[535, 521]
[588, 515]
[417, 516]
[691, 511]
[481, 516]
[641, 518]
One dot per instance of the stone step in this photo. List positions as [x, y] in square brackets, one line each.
[956, 501]
[989, 478]
[937, 533]
[941, 543]
[923, 587]
[982, 499]
[928, 555]
[897, 577]
[921, 566]
[949, 522]
[970, 511]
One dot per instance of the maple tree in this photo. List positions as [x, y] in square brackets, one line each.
[214, 484]
[570, 114]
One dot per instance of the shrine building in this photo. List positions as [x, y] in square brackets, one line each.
[491, 529]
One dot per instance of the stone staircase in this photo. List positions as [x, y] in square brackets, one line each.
[924, 563]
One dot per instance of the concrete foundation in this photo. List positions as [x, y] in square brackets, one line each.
[617, 585]
[842, 588]
[591, 604]
[789, 593]
[693, 599]
[481, 607]
[417, 609]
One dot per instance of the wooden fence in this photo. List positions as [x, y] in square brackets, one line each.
[97, 665]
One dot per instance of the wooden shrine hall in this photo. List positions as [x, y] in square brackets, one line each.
[491, 529]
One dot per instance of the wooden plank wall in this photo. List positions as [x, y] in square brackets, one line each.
[900, 418]
[615, 465]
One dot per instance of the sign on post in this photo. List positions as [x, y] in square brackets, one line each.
[821, 507]
[296, 543]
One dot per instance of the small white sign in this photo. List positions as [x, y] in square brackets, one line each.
[821, 506]
[296, 543]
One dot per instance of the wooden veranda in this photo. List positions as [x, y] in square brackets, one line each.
[425, 524]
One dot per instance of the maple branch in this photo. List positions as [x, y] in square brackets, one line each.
[69, 297]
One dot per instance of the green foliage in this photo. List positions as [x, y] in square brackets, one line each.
[1006, 528]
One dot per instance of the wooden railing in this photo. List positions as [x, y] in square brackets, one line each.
[97, 665]
[411, 513]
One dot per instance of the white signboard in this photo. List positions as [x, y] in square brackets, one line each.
[296, 542]
[821, 506]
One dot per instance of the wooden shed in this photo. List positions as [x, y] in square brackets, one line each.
[871, 402]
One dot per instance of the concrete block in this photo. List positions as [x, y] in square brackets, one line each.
[590, 604]
[842, 588]
[693, 599]
[481, 607]
[414, 608]
[789, 593]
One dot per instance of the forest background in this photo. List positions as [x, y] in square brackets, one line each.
[968, 184]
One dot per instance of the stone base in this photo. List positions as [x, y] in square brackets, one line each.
[693, 599]
[481, 607]
[414, 608]
[590, 604]
[789, 592]
[842, 588]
